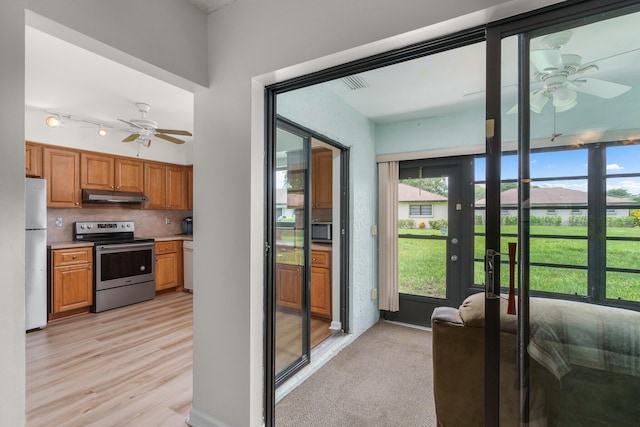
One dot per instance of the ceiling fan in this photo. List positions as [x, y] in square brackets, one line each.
[142, 129]
[560, 74]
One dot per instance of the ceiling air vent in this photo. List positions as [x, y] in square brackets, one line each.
[355, 82]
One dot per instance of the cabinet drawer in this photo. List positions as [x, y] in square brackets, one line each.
[62, 257]
[320, 259]
[167, 247]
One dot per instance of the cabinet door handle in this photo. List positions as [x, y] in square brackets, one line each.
[74, 257]
[313, 259]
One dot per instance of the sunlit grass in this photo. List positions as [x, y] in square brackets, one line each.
[421, 263]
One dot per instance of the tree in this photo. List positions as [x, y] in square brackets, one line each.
[433, 185]
[619, 192]
[481, 192]
[508, 186]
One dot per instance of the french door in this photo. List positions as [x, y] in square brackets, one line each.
[434, 236]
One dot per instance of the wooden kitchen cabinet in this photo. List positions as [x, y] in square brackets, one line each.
[166, 186]
[33, 160]
[61, 168]
[168, 265]
[72, 280]
[104, 172]
[289, 286]
[190, 187]
[321, 178]
[321, 284]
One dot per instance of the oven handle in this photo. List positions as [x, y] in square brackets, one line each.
[125, 246]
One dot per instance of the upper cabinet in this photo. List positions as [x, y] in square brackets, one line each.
[104, 172]
[61, 168]
[68, 171]
[190, 187]
[321, 178]
[165, 186]
[33, 160]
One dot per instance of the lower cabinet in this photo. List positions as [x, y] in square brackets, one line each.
[321, 284]
[72, 279]
[289, 289]
[168, 264]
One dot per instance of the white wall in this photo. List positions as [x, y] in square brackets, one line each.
[12, 350]
[164, 38]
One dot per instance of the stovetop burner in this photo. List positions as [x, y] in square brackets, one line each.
[111, 232]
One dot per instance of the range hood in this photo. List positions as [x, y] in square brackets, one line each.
[105, 196]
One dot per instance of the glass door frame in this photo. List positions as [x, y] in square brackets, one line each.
[526, 27]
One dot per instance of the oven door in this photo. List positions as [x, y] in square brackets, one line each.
[124, 264]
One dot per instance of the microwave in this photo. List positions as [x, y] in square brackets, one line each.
[321, 231]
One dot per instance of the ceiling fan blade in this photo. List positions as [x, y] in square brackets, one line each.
[513, 110]
[133, 125]
[545, 59]
[601, 88]
[169, 138]
[538, 100]
[175, 132]
[131, 137]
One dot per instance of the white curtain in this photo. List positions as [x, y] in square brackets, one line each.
[388, 298]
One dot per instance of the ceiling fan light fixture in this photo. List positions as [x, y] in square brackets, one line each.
[53, 121]
[564, 99]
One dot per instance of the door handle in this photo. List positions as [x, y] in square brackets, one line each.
[491, 258]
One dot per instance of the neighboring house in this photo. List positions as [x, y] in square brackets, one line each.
[420, 205]
[555, 201]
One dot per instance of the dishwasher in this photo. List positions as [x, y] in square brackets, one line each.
[187, 249]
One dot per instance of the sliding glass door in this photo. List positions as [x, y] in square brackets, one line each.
[291, 187]
[563, 184]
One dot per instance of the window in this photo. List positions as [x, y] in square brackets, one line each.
[504, 211]
[551, 212]
[576, 212]
[420, 210]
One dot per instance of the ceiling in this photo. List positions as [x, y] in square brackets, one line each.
[89, 86]
[454, 80]
[208, 6]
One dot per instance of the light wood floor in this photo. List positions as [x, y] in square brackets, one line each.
[131, 366]
[289, 336]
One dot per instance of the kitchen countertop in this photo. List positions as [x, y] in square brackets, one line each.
[174, 237]
[79, 244]
[70, 244]
[321, 247]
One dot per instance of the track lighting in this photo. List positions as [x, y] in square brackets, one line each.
[53, 121]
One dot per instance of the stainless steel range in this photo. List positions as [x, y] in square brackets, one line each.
[123, 265]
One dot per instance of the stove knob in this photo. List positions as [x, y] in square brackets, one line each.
[89, 226]
[82, 226]
[128, 225]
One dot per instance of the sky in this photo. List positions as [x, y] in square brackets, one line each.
[573, 163]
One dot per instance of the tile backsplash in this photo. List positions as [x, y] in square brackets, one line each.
[148, 223]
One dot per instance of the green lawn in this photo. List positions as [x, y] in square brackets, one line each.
[421, 263]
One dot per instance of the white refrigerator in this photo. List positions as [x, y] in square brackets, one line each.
[36, 253]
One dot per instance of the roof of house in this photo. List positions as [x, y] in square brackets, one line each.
[407, 193]
[550, 196]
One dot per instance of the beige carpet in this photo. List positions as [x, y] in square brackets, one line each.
[384, 378]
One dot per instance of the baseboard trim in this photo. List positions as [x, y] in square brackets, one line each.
[335, 326]
[199, 419]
